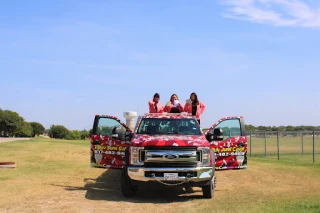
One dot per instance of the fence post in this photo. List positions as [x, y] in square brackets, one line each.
[278, 145]
[313, 151]
[302, 143]
[250, 142]
[265, 143]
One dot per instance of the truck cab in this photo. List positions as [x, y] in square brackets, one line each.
[168, 148]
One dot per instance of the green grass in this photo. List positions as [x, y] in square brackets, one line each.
[302, 206]
[45, 159]
[287, 146]
[55, 176]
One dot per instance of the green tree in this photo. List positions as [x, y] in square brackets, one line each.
[268, 128]
[298, 128]
[289, 128]
[309, 128]
[58, 131]
[25, 130]
[262, 128]
[74, 135]
[249, 127]
[2, 123]
[90, 131]
[85, 134]
[38, 128]
[10, 122]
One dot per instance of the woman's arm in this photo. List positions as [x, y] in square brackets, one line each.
[202, 107]
[187, 107]
[150, 103]
[181, 107]
[166, 107]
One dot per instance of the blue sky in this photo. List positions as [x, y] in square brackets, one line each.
[63, 61]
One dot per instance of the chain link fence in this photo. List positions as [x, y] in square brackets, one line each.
[280, 144]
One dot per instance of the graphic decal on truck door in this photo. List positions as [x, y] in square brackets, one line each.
[109, 142]
[229, 142]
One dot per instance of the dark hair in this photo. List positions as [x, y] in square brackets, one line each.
[195, 98]
[172, 97]
[175, 110]
[156, 95]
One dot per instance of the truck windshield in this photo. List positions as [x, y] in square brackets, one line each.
[163, 126]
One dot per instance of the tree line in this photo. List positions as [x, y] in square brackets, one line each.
[14, 125]
[289, 128]
[61, 132]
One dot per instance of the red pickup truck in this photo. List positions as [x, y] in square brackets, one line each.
[168, 148]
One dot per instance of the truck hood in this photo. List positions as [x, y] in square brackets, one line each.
[171, 140]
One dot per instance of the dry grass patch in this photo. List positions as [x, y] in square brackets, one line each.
[54, 176]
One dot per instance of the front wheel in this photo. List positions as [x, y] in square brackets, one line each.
[208, 190]
[128, 190]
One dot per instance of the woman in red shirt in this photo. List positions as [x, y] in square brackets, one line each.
[171, 104]
[154, 105]
[196, 107]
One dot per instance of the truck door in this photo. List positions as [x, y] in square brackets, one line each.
[230, 146]
[109, 140]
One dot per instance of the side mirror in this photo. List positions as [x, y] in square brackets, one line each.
[115, 136]
[218, 134]
[241, 144]
[117, 133]
[209, 136]
[128, 136]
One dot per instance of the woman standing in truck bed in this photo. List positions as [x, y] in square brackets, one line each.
[174, 105]
[195, 107]
[154, 105]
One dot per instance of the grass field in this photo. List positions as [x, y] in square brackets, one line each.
[289, 145]
[54, 176]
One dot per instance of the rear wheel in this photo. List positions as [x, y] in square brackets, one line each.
[208, 190]
[128, 190]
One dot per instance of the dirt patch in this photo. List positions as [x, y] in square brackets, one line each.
[12, 139]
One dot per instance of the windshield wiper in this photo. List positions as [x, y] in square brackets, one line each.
[152, 133]
[183, 133]
[174, 132]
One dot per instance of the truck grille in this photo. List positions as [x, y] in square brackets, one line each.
[170, 156]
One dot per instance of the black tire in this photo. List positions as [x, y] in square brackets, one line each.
[128, 190]
[93, 159]
[208, 190]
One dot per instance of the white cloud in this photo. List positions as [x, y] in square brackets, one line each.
[275, 12]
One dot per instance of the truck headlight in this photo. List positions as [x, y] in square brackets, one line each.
[205, 156]
[135, 155]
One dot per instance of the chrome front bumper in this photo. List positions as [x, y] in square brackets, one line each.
[202, 173]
